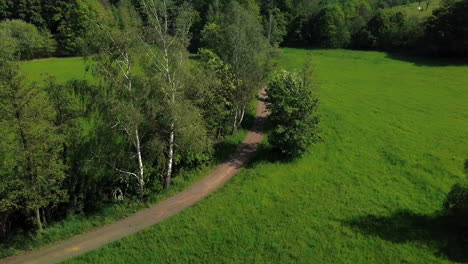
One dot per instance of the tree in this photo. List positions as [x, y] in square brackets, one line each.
[33, 146]
[275, 26]
[125, 99]
[166, 65]
[213, 91]
[31, 43]
[239, 41]
[11, 187]
[67, 20]
[293, 113]
[331, 26]
[446, 31]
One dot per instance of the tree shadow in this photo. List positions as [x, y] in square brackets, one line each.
[224, 150]
[438, 232]
[266, 154]
[419, 59]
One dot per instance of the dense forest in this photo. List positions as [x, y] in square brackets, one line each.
[357, 24]
[153, 112]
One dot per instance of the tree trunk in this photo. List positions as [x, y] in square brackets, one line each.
[4, 226]
[44, 220]
[167, 182]
[234, 126]
[141, 179]
[241, 116]
[38, 220]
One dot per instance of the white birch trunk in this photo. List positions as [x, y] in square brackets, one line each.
[167, 182]
[234, 125]
[141, 178]
[241, 116]
[38, 220]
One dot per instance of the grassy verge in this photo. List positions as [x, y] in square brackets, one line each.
[395, 135]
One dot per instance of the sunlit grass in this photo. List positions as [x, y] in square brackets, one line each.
[62, 69]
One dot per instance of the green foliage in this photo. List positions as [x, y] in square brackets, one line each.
[30, 42]
[332, 27]
[275, 26]
[66, 20]
[213, 91]
[237, 38]
[446, 32]
[31, 161]
[388, 31]
[293, 113]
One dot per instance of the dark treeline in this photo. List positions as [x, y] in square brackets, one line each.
[357, 24]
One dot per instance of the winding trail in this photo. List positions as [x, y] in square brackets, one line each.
[81, 244]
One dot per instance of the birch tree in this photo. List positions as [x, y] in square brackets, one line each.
[168, 38]
[114, 63]
[239, 41]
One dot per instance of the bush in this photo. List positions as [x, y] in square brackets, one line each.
[446, 32]
[30, 42]
[292, 107]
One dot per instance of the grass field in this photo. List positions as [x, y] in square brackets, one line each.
[412, 9]
[395, 135]
[63, 69]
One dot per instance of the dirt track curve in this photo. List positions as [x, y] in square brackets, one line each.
[89, 241]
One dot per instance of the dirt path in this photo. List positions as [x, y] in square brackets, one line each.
[89, 241]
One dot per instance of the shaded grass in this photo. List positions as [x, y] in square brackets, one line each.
[395, 137]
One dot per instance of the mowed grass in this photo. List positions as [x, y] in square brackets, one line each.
[395, 138]
[62, 69]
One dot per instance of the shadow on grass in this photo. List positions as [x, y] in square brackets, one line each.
[266, 154]
[403, 226]
[429, 61]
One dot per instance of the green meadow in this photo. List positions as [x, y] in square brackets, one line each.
[62, 69]
[395, 136]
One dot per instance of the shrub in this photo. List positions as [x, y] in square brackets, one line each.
[30, 42]
[293, 108]
[446, 31]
